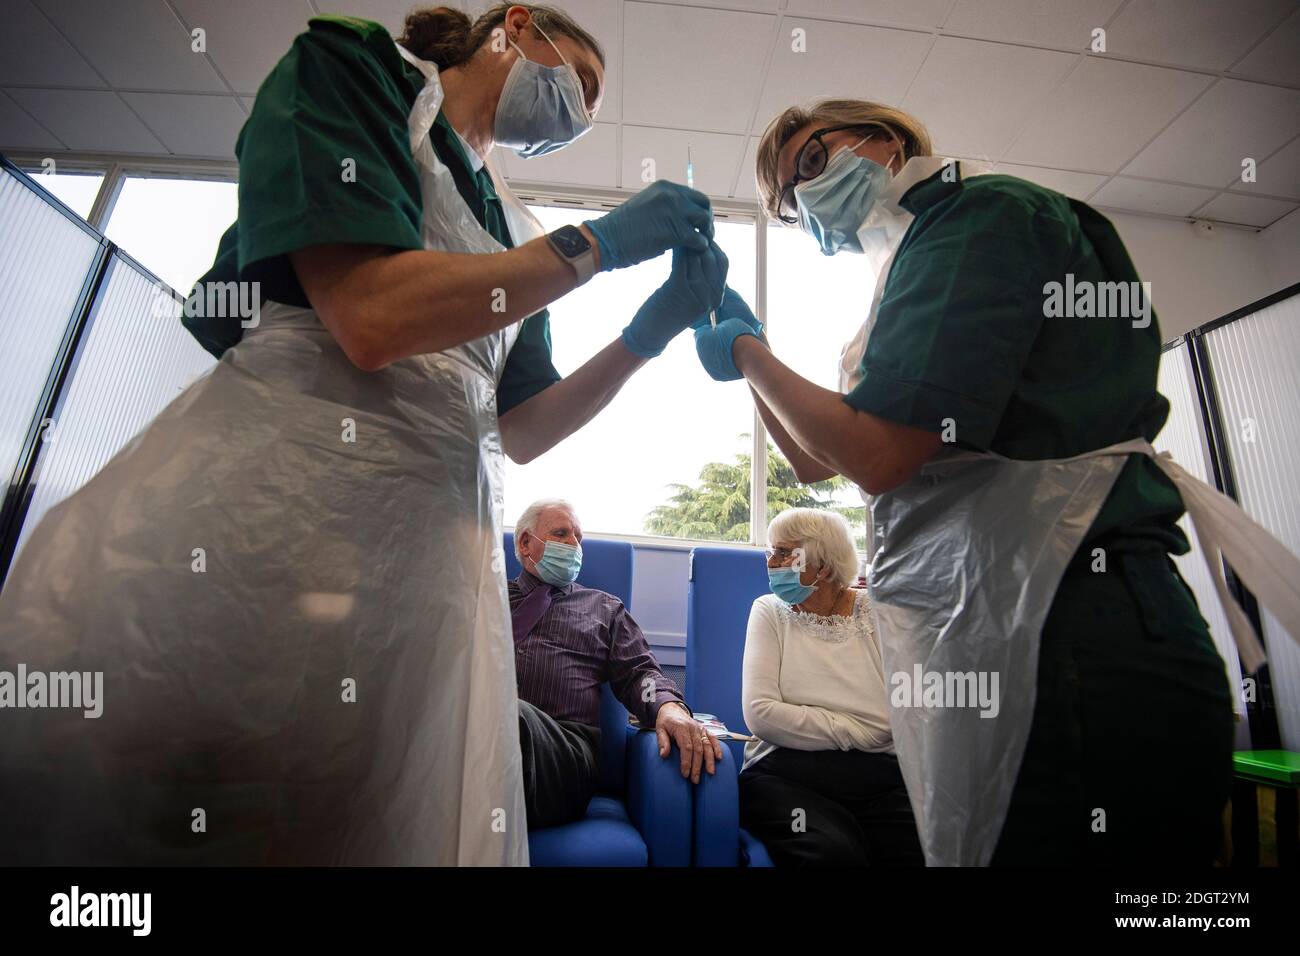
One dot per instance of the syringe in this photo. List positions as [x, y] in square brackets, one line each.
[690, 184]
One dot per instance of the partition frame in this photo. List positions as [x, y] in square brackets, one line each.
[25, 479]
[1265, 730]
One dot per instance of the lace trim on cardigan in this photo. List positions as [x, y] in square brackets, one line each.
[835, 628]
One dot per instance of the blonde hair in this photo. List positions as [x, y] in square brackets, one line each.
[904, 127]
[824, 536]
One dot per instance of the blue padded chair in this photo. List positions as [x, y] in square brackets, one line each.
[723, 585]
[641, 813]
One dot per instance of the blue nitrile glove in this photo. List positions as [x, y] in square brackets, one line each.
[714, 345]
[693, 288]
[660, 217]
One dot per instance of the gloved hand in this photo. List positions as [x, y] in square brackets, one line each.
[693, 288]
[660, 217]
[714, 345]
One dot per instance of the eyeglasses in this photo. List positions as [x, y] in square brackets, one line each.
[809, 164]
[781, 554]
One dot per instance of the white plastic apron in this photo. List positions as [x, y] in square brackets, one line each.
[336, 685]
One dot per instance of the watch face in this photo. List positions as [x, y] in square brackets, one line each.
[570, 241]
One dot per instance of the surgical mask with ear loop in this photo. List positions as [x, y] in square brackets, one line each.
[834, 205]
[542, 107]
[560, 563]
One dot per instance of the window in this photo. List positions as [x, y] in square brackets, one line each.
[669, 455]
[172, 226]
[77, 191]
[816, 304]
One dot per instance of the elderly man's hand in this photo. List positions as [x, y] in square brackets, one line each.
[674, 724]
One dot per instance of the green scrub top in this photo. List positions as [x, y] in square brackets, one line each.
[337, 104]
[961, 334]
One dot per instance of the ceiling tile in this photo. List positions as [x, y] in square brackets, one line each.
[591, 161]
[715, 156]
[973, 96]
[1233, 120]
[20, 131]
[1279, 175]
[1075, 185]
[1103, 113]
[603, 20]
[89, 120]
[874, 63]
[744, 187]
[692, 68]
[1246, 210]
[1140, 195]
[34, 53]
[135, 44]
[1278, 57]
[1059, 23]
[1208, 34]
[927, 14]
[189, 124]
[246, 56]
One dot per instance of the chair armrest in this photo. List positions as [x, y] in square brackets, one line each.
[716, 837]
[658, 800]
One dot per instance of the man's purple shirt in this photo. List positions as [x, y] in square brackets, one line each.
[584, 639]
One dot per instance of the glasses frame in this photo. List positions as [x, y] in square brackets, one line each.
[788, 191]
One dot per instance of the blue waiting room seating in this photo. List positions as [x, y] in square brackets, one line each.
[723, 585]
[641, 813]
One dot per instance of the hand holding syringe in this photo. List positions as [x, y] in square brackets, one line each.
[690, 184]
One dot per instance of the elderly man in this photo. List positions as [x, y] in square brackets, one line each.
[568, 641]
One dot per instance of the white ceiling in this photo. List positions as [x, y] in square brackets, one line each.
[1159, 124]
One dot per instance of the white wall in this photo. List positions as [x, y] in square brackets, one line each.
[1282, 251]
[1197, 279]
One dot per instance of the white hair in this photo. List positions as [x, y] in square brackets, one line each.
[825, 537]
[533, 514]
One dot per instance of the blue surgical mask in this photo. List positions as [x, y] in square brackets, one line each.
[560, 563]
[785, 585]
[833, 206]
[541, 107]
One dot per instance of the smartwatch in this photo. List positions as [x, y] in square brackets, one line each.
[574, 249]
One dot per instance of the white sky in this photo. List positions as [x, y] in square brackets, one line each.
[668, 421]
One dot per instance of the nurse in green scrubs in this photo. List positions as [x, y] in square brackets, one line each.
[293, 580]
[1120, 750]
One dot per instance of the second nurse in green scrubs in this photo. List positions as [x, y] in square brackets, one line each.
[293, 579]
[996, 552]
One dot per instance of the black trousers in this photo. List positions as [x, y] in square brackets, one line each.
[814, 808]
[1129, 759]
[561, 763]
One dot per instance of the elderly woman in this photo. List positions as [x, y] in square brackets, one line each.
[821, 785]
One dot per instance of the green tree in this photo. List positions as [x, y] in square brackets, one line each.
[717, 508]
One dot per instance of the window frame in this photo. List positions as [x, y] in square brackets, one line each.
[117, 169]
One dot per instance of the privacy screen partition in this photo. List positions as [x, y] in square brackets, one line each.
[91, 349]
[1184, 438]
[1255, 365]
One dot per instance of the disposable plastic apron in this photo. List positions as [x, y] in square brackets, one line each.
[335, 684]
[968, 557]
